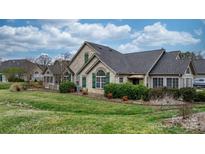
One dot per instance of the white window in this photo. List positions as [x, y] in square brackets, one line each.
[120, 79]
[172, 82]
[100, 79]
[157, 82]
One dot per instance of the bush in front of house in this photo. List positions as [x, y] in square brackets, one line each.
[5, 85]
[200, 96]
[134, 92]
[112, 88]
[156, 93]
[159, 93]
[188, 94]
[66, 87]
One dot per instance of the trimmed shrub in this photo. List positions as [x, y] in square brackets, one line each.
[188, 94]
[146, 96]
[134, 92]
[112, 88]
[66, 87]
[5, 85]
[200, 96]
[16, 87]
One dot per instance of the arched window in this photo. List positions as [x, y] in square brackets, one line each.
[100, 79]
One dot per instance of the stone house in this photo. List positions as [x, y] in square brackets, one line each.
[94, 65]
[31, 70]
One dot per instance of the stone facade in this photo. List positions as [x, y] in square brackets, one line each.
[99, 66]
[78, 61]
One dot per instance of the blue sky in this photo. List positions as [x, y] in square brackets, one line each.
[30, 38]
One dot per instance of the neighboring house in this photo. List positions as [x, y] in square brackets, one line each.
[37, 73]
[200, 68]
[95, 65]
[56, 73]
[30, 69]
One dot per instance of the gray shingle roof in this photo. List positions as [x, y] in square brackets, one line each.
[138, 62]
[199, 66]
[170, 64]
[59, 67]
[20, 63]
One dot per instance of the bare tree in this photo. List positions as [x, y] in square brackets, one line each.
[67, 55]
[200, 55]
[31, 59]
[43, 59]
[192, 55]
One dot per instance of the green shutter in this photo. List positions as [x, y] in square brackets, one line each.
[1, 78]
[86, 57]
[108, 78]
[93, 80]
[69, 77]
[84, 82]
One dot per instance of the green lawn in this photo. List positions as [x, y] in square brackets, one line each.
[46, 112]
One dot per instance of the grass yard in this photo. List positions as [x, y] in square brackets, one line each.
[46, 112]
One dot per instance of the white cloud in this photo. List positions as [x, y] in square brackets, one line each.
[98, 31]
[31, 38]
[57, 34]
[198, 31]
[157, 35]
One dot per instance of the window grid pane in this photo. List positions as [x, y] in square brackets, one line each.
[157, 82]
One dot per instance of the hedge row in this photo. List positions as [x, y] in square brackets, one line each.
[134, 92]
[200, 96]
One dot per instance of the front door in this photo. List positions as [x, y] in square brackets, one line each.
[135, 81]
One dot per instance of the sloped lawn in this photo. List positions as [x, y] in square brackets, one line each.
[46, 112]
